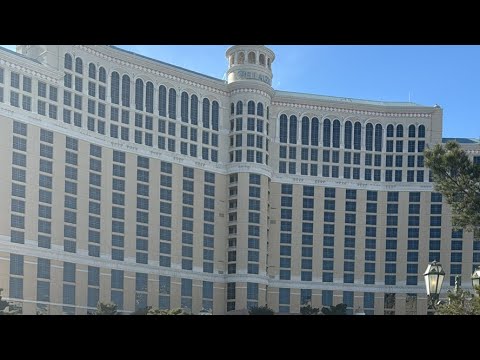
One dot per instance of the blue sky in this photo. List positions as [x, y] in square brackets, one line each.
[444, 75]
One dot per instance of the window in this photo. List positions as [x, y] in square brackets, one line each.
[139, 94]
[126, 90]
[421, 146]
[326, 133]
[16, 288]
[18, 190]
[27, 83]
[293, 129]
[19, 159]
[421, 131]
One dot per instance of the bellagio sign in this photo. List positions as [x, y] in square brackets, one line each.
[252, 75]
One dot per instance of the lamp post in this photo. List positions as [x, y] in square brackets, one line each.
[476, 278]
[434, 276]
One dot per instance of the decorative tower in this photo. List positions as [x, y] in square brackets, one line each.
[250, 63]
[249, 85]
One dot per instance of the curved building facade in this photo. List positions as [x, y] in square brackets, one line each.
[130, 180]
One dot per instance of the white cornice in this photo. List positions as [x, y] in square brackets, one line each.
[334, 108]
[351, 183]
[117, 57]
[30, 249]
[106, 141]
[19, 64]
[250, 91]
[220, 168]
[249, 167]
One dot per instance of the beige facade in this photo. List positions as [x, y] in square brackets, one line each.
[129, 180]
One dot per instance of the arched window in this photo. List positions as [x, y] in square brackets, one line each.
[232, 108]
[162, 101]
[251, 58]
[268, 63]
[261, 59]
[357, 136]
[336, 134]
[194, 109]
[184, 107]
[139, 94]
[215, 115]
[369, 137]
[378, 137]
[149, 97]
[315, 128]
[239, 108]
[206, 113]
[326, 133]
[79, 65]
[390, 130]
[92, 71]
[260, 109]
[102, 75]
[411, 131]
[293, 129]
[283, 128]
[251, 108]
[126, 90]
[305, 130]
[400, 130]
[68, 63]
[241, 58]
[231, 60]
[115, 88]
[347, 136]
[421, 131]
[172, 103]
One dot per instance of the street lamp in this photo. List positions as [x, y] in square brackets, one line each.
[476, 278]
[434, 276]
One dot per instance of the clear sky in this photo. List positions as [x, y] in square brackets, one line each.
[445, 75]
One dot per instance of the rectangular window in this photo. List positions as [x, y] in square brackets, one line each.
[14, 101]
[117, 279]
[15, 80]
[26, 103]
[19, 159]
[69, 272]
[124, 133]
[18, 190]
[16, 288]
[16, 264]
[327, 297]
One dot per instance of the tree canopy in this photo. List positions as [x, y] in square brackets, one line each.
[309, 310]
[262, 310]
[458, 179]
[106, 309]
[339, 309]
[460, 302]
[178, 311]
[7, 308]
[3, 304]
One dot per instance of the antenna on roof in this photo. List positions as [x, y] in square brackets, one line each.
[409, 96]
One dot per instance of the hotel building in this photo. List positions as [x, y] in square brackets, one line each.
[130, 180]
